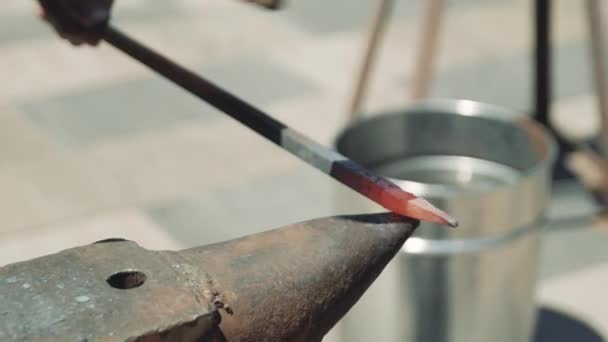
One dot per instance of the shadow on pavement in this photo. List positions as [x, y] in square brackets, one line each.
[555, 326]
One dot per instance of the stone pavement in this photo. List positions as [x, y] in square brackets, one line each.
[93, 145]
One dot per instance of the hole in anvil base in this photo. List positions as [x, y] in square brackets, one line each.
[126, 280]
[111, 240]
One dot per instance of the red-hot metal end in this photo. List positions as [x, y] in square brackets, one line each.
[389, 195]
[423, 210]
[409, 205]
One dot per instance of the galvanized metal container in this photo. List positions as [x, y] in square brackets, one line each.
[490, 168]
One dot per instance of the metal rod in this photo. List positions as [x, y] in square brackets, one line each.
[374, 187]
[542, 67]
[598, 56]
[428, 44]
[542, 72]
[376, 32]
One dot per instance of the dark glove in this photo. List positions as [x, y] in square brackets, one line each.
[79, 21]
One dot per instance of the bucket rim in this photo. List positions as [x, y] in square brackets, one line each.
[468, 108]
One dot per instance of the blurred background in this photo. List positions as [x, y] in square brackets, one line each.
[93, 145]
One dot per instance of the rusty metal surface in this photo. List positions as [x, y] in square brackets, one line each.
[66, 296]
[289, 284]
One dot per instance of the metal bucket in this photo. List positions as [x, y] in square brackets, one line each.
[488, 167]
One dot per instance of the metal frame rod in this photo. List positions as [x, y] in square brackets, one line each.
[542, 67]
[376, 32]
[431, 25]
[598, 58]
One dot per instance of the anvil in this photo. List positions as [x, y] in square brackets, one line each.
[289, 284]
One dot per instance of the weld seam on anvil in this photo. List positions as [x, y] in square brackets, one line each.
[212, 291]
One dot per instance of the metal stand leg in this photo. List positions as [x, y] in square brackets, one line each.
[542, 67]
[588, 163]
[428, 43]
[598, 55]
[542, 83]
[376, 32]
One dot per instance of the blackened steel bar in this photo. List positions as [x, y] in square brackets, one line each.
[374, 187]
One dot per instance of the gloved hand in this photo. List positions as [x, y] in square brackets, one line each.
[83, 21]
[79, 21]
